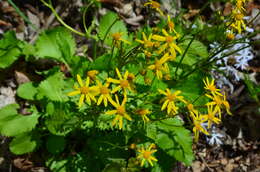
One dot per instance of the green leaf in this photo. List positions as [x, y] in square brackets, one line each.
[102, 63]
[13, 124]
[55, 144]
[22, 144]
[61, 119]
[174, 139]
[196, 52]
[192, 88]
[9, 49]
[49, 44]
[52, 88]
[27, 91]
[110, 24]
[158, 84]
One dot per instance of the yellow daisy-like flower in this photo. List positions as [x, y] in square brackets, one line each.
[86, 93]
[238, 23]
[117, 38]
[123, 82]
[143, 113]
[170, 100]
[219, 102]
[210, 86]
[160, 66]
[146, 155]
[197, 121]
[169, 42]
[155, 5]
[191, 108]
[146, 41]
[240, 5]
[104, 93]
[171, 25]
[211, 116]
[92, 74]
[120, 112]
[230, 35]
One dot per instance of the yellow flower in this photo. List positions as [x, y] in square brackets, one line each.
[170, 99]
[191, 108]
[143, 113]
[92, 74]
[123, 82]
[86, 93]
[104, 93]
[171, 25]
[117, 38]
[169, 43]
[220, 102]
[240, 5]
[146, 41]
[147, 54]
[155, 5]
[160, 66]
[238, 23]
[230, 35]
[210, 86]
[146, 155]
[211, 116]
[197, 121]
[120, 112]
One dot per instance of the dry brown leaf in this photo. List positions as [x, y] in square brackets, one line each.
[23, 164]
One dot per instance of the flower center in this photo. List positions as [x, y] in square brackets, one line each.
[158, 65]
[230, 36]
[121, 110]
[171, 97]
[155, 5]
[124, 83]
[170, 24]
[148, 44]
[104, 90]
[169, 39]
[239, 16]
[212, 88]
[190, 107]
[147, 154]
[116, 36]
[84, 90]
[218, 101]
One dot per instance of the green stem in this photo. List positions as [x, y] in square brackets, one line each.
[21, 14]
[208, 63]
[60, 20]
[183, 55]
[109, 30]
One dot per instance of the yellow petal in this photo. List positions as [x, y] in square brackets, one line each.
[73, 93]
[100, 100]
[164, 104]
[118, 74]
[80, 80]
[111, 112]
[165, 32]
[159, 38]
[81, 100]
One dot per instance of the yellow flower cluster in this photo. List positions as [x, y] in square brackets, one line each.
[124, 83]
[237, 16]
[215, 106]
[165, 43]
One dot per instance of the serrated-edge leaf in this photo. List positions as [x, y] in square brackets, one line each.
[27, 91]
[22, 144]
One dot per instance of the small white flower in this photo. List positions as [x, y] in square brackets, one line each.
[215, 137]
